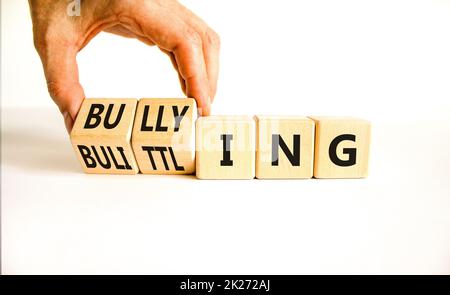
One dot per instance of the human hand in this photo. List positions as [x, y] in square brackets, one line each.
[192, 46]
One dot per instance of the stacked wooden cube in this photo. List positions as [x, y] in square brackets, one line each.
[164, 136]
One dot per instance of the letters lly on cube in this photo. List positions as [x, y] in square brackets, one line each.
[225, 147]
[101, 136]
[163, 137]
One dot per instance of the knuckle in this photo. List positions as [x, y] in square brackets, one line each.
[212, 38]
[63, 90]
[63, 93]
[39, 43]
[42, 41]
[50, 40]
[56, 90]
[193, 38]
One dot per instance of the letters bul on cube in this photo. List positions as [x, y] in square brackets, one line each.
[163, 136]
[101, 136]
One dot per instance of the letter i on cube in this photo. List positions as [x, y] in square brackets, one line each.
[225, 147]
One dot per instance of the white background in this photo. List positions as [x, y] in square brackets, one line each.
[387, 61]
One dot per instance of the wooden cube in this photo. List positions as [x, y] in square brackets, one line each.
[284, 147]
[163, 137]
[341, 147]
[101, 136]
[225, 147]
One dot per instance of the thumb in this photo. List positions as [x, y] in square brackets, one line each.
[61, 73]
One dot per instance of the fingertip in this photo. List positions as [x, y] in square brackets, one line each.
[70, 104]
[197, 88]
[204, 112]
[68, 121]
[75, 105]
[204, 107]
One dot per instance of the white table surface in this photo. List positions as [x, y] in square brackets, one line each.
[57, 220]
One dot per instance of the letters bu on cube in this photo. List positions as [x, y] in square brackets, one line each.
[164, 136]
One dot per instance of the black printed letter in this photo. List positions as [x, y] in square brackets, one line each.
[179, 117]
[108, 115]
[350, 152]
[226, 138]
[86, 155]
[294, 157]
[94, 115]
